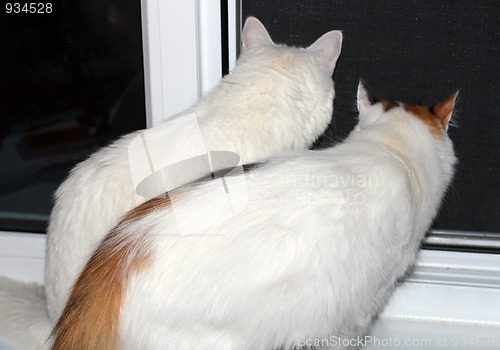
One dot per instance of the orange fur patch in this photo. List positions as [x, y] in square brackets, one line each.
[91, 317]
[436, 117]
[387, 105]
[425, 115]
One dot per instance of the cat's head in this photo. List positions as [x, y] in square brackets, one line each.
[435, 118]
[415, 131]
[296, 83]
[326, 49]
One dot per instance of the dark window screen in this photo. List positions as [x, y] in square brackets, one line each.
[70, 82]
[415, 52]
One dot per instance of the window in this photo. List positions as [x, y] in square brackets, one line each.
[72, 81]
[418, 52]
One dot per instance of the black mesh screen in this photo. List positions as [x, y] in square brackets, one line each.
[416, 52]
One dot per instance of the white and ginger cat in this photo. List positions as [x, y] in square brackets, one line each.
[277, 98]
[316, 250]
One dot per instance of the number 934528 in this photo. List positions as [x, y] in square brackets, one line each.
[28, 7]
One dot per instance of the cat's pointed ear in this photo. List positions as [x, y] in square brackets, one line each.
[365, 98]
[444, 110]
[327, 49]
[254, 35]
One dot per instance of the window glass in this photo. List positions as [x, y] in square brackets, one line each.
[71, 82]
[417, 52]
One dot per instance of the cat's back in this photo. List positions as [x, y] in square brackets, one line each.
[304, 213]
[298, 190]
[283, 95]
[99, 176]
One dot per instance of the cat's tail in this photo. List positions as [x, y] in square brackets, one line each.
[24, 319]
[92, 315]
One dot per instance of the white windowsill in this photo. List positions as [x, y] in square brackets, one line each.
[450, 300]
[22, 256]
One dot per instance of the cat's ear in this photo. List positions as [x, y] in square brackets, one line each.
[327, 49]
[365, 98]
[444, 110]
[254, 35]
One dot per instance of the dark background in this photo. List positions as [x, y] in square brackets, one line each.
[415, 52]
[71, 81]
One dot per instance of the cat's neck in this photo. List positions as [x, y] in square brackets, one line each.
[396, 147]
[420, 155]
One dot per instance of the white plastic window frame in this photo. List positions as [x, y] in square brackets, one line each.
[182, 53]
[451, 298]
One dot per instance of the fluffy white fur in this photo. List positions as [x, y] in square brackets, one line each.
[316, 252]
[277, 98]
[23, 306]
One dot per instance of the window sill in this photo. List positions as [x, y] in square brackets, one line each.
[451, 299]
[443, 306]
[22, 256]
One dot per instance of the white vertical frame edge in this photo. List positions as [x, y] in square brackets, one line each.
[152, 62]
[182, 54]
[210, 55]
[233, 30]
[170, 45]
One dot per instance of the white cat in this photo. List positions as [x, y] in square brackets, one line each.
[316, 251]
[277, 98]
